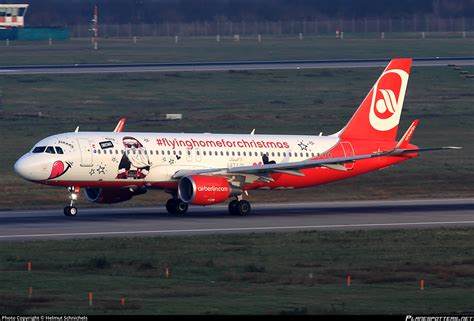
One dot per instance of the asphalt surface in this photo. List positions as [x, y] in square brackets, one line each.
[224, 66]
[127, 222]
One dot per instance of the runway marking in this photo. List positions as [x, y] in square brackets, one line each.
[236, 229]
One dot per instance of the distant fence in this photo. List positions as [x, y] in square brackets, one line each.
[307, 27]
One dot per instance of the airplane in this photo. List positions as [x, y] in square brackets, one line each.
[206, 169]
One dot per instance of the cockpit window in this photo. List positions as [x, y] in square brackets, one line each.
[38, 149]
[59, 150]
[50, 149]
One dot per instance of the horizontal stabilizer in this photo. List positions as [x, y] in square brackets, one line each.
[411, 151]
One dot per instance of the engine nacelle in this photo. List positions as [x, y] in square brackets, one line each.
[206, 190]
[110, 195]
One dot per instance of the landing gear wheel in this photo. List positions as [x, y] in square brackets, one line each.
[233, 207]
[181, 207]
[171, 206]
[70, 211]
[243, 208]
[176, 206]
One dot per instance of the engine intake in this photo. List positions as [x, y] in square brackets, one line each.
[206, 190]
[111, 195]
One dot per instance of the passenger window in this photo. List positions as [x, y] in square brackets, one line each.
[59, 150]
[174, 152]
[189, 152]
[233, 153]
[307, 155]
[116, 152]
[284, 154]
[151, 152]
[227, 153]
[222, 153]
[98, 151]
[289, 154]
[110, 152]
[278, 154]
[301, 154]
[238, 153]
[38, 149]
[273, 154]
[169, 153]
[197, 152]
[244, 154]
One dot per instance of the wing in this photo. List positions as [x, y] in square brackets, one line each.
[293, 168]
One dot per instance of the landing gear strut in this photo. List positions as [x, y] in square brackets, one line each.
[239, 207]
[71, 210]
[176, 206]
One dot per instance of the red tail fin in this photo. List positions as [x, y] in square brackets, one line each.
[378, 116]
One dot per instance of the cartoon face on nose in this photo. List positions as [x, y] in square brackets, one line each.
[58, 169]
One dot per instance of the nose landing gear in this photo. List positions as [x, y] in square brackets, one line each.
[71, 210]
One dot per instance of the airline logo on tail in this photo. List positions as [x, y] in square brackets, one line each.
[387, 99]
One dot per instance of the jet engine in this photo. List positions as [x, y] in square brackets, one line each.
[111, 195]
[206, 190]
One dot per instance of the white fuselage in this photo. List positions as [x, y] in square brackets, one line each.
[155, 157]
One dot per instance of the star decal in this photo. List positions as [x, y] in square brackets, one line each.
[92, 172]
[101, 169]
[171, 161]
[303, 146]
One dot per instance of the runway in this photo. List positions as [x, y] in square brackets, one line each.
[324, 216]
[224, 66]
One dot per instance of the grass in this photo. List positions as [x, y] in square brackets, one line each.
[293, 102]
[79, 51]
[275, 273]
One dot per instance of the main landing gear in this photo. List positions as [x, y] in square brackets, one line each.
[176, 206]
[71, 210]
[239, 207]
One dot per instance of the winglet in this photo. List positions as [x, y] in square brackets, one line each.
[120, 124]
[77, 129]
[405, 140]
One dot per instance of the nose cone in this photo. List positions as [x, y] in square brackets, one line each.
[30, 168]
[20, 167]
